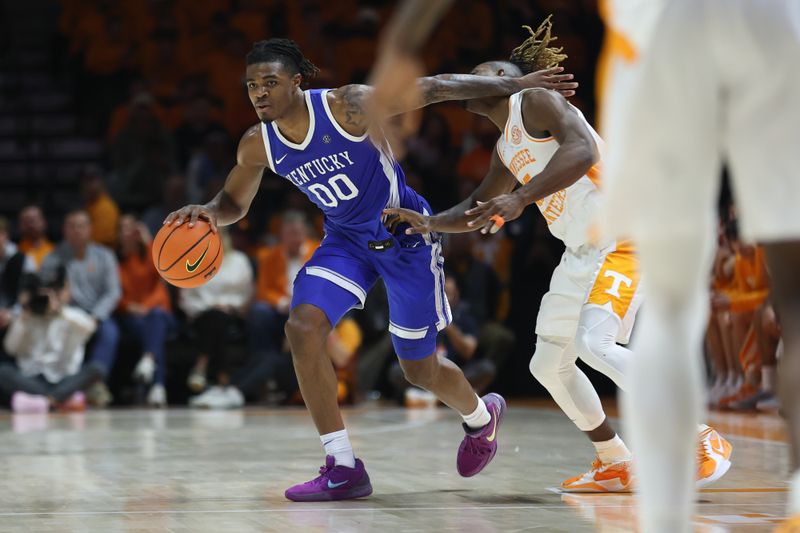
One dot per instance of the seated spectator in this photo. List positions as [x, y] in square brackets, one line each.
[480, 284]
[173, 198]
[277, 268]
[47, 339]
[718, 341]
[461, 343]
[139, 91]
[144, 309]
[474, 164]
[12, 266]
[198, 121]
[213, 310]
[209, 167]
[342, 347]
[33, 241]
[745, 302]
[377, 352]
[103, 211]
[142, 156]
[93, 278]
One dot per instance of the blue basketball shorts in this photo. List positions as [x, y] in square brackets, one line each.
[339, 275]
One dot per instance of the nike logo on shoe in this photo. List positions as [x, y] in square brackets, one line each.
[332, 485]
[278, 161]
[491, 437]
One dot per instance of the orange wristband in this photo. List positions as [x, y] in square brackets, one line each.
[498, 221]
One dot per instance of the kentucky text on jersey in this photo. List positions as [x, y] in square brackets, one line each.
[319, 167]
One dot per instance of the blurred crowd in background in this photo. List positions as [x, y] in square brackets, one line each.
[151, 94]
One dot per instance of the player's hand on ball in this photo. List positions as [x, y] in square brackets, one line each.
[419, 223]
[551, 78]
[190, 214]
[492, 215]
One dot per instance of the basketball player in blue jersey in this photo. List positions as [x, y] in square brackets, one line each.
[317, 139]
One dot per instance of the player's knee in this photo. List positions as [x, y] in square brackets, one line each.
[421, 373]
[306, 325]
[547, 364]
[543, 368]
[590, 344]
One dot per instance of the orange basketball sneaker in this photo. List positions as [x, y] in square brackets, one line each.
[603, 477]
[713, 456]
[790, 525]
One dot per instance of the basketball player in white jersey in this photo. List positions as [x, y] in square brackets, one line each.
[719, 81]
[548, 147]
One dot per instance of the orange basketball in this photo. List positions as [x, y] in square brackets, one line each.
[187, 257]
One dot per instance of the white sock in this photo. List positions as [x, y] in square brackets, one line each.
[612, 451]
[768, 377]
[479, 417]
[338, 445]
[794, 493]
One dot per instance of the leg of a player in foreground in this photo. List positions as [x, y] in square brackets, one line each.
[784, 263]
[673, 226]
[670, 173]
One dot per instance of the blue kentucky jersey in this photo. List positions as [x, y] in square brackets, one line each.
[350, 178]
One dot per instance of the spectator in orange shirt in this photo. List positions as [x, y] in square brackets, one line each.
[33, 242]
[144, 309]
[277, 268]
[102, 209]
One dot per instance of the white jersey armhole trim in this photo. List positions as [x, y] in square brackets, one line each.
[311, 125]
[265, 138]
[336, 124]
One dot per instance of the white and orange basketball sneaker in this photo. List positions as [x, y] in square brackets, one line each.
[789, 525]
[603, 477]
[713, 456]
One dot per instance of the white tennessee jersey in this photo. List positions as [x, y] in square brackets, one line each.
[570, 213]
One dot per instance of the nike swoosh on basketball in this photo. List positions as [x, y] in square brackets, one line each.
[490, 438]
[191, 267]
[278, 161]
[332, 485]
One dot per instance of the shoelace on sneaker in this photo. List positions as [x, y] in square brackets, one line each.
[477, 446]
[702, 447]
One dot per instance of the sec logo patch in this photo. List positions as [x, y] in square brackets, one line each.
[326, 139]
[516, 135]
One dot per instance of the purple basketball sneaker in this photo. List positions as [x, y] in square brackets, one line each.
[479, 445]
[333, 483]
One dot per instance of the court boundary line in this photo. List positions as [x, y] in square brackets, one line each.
[339, 509]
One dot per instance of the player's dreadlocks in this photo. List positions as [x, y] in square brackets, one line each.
[284, 50]
[535, 54]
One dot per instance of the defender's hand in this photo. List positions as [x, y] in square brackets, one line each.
[190, 214]
[419, 223]
[550, 78]
[492, 215]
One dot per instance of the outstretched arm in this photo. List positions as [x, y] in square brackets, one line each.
[455, 220]
[349, 103]
[576, 154]
[233, 201]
